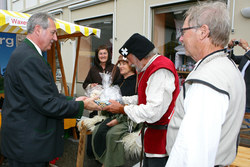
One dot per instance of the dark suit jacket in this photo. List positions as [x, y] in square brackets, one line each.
[241, 60]
[33, 110]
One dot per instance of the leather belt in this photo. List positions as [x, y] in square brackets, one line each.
[162, 127]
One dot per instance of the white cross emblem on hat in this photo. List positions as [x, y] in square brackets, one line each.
[124, 51]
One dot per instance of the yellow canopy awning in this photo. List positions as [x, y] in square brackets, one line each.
[15, 22]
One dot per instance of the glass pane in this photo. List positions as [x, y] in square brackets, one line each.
[167, 20]
[166, 24]
[90, 44]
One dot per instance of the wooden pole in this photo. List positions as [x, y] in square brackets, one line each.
[76, 63]
[74, 78]
[69, 35]
[65, 84]
[81, 146]
[62, 69]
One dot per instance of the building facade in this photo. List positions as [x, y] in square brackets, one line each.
[158, 20]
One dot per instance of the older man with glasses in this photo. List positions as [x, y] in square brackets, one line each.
[204, 128]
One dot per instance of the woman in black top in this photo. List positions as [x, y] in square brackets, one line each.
[102, 64]
[106, 135]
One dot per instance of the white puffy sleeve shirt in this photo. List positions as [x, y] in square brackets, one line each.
[161, 85]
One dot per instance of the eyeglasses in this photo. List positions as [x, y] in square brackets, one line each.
[187, 28]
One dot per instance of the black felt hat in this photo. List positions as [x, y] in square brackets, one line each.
[138, 45]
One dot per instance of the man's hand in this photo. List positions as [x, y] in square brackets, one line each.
[89, 104]
[81, 98]
[93, 85]
[231, 44]
[114, 107]
[243, 43]
[112, 123]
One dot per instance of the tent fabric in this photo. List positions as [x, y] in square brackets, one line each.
[15, 22]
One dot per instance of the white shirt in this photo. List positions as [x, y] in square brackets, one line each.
[161, 85]
[37, 48]
[199, 134]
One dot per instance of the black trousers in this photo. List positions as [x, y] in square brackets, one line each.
[153, 162]
[14, 163]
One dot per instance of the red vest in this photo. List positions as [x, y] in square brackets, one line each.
[155, 139]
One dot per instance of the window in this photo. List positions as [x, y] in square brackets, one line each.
[167, 21]
[90, 44]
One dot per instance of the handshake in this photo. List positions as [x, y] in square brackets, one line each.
[103, 97]
[92, 103]
[89, 103]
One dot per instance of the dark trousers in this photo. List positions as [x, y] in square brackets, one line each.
[14, 163]
[153, 162]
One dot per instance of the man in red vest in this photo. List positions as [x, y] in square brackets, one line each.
[158, 87]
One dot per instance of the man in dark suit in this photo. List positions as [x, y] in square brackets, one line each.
[244, 66]
[33, 110]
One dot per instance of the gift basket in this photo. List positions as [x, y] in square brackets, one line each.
[106, 91]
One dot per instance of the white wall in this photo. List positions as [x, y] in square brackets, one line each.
[129, 21]
[31, 3]
[3, 4]
[18, 5]
[241, 24]
[43, 1]
[68, 56]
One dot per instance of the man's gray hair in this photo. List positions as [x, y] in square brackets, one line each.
[38, 19]
[216, 16]
[151, 53]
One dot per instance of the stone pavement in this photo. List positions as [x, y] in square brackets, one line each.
[69, 157]
[70, 154]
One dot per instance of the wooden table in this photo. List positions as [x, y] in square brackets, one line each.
[243, 157]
